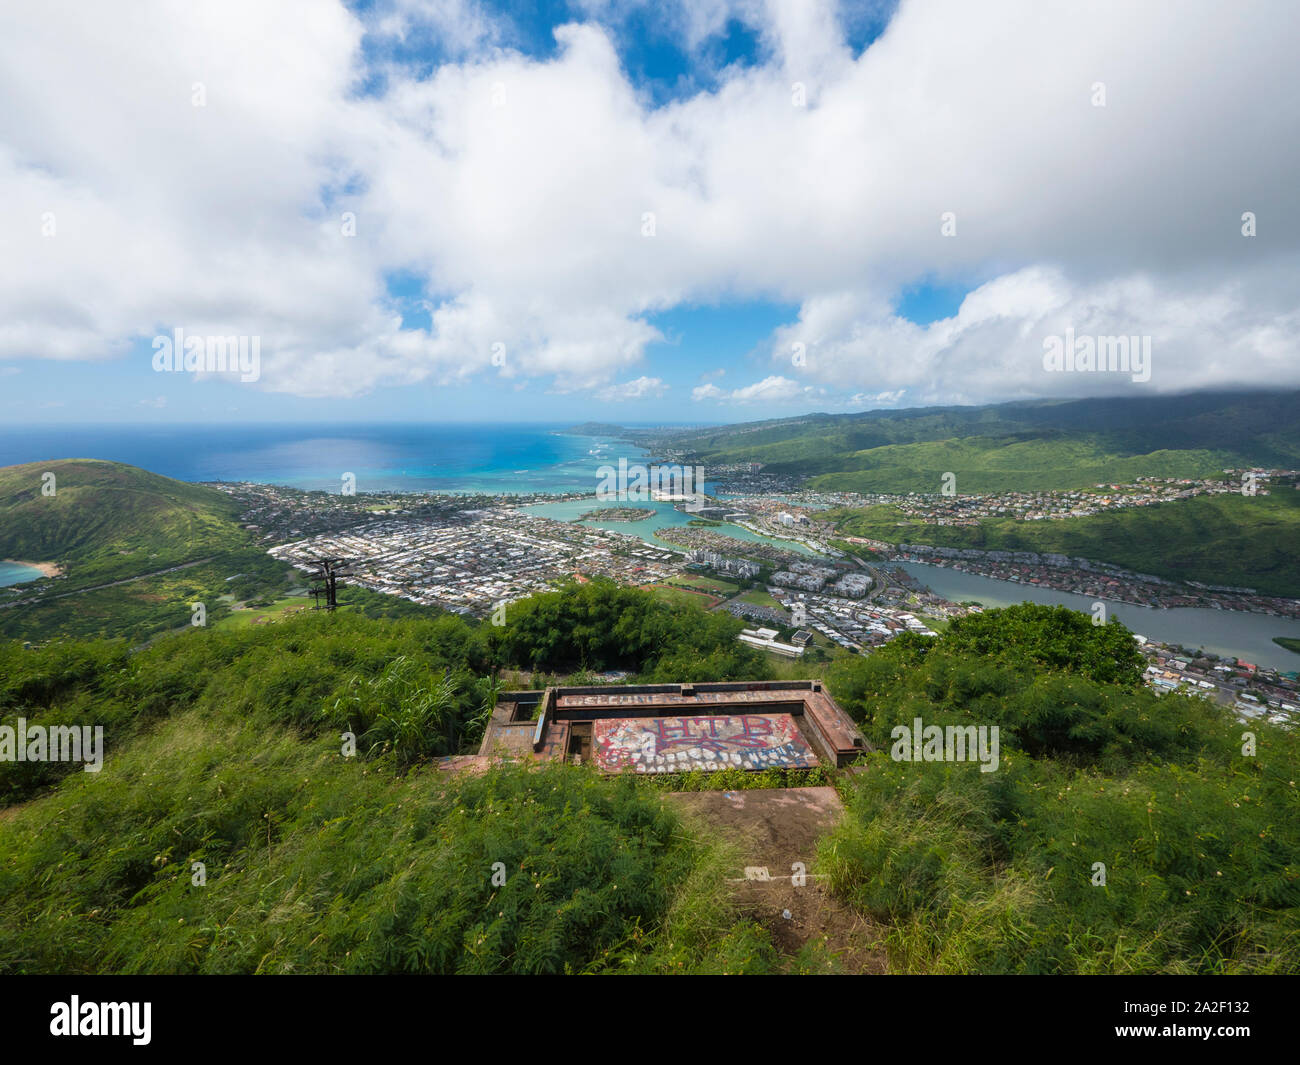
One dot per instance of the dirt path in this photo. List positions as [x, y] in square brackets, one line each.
[774, 829]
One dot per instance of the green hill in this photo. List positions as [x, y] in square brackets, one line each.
[1039, 445]
[136, 550]
[223, 748]
[106, 520]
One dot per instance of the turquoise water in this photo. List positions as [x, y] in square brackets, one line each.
[665, 516]
[15, 573]
[1221, 632]
[491, 459]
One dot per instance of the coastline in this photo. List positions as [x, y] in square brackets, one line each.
[48, 569]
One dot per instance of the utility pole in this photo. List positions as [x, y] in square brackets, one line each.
[330, 572]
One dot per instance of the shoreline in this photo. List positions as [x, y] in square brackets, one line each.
[48, 569]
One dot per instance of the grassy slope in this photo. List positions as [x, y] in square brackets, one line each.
[1044, 462]
[222, 748]
[1024, 446]
[1223, 539]
[111, 522]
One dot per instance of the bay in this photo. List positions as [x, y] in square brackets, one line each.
[17, 573]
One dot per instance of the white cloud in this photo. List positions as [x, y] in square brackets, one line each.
[640, 388]
[517, 189]
[773, 389]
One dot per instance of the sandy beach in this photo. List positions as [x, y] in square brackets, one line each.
[49, 569]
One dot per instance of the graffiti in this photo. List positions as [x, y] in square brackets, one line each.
[680, 744]
[673, 699]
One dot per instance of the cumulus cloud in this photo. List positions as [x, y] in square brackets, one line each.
[550, 209]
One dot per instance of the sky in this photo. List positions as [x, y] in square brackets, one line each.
[641, 212]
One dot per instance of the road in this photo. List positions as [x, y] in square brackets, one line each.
[37, 600]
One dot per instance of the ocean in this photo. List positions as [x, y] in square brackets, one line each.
[466, 459]
[406, 458]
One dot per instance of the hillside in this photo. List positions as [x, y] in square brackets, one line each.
[1011, 446]
[223, 748]
[107, 520]
[136, 550]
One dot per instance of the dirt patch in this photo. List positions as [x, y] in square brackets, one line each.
[774, 829]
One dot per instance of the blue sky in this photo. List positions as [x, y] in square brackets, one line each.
[640, 211]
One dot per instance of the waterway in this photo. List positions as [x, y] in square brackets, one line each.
[1221, 632]
[665, 516]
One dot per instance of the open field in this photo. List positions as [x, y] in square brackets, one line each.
[683, 596]
[245, 616]
[712, 585]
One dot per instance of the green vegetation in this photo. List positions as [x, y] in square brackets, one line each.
[227, 748]
[1012, 446]
[618, 514]
[1288, 642]
[712, 585]
[137, 550]
[685, 597]
[266, 613]
[760, 597]
[318, 865]
[109, 520]
[230, 748]
[1220, 539]
[996, 872]
[599, 625]
[1047, 461]
[1053, 446]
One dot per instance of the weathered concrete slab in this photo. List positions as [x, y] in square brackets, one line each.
[681, 744]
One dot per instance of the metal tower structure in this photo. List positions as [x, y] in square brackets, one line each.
[330, 571]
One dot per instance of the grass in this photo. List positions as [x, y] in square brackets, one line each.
[244, 616]
[711, 585]
[1122, 832]
[312, 863]
[1288, 642]
[233, 830]
[1024, 446]
[676, 596]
